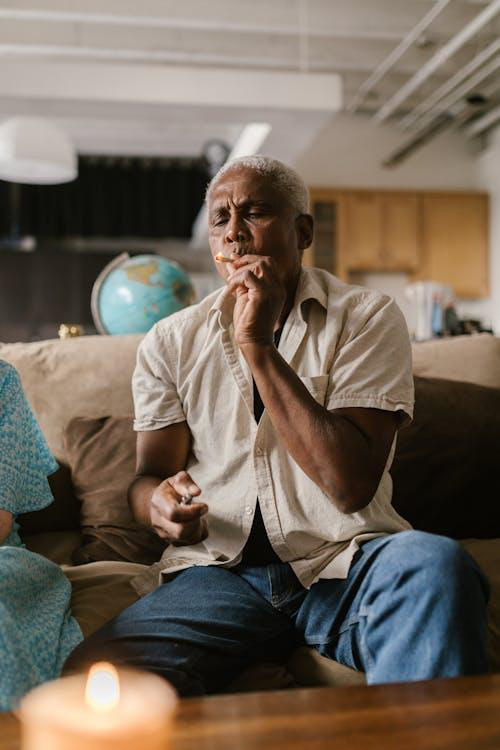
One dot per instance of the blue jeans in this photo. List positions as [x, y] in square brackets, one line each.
[413, 607]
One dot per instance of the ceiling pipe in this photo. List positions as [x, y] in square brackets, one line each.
[456, 116]
[427, 104]
[449, 49]
[396, 54]
[469, 85]
[484, 122]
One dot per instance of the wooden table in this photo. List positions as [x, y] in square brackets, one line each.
[459, 714]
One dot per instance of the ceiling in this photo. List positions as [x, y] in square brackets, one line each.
[67, 58]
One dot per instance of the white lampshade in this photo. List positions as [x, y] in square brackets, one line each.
[35, 151]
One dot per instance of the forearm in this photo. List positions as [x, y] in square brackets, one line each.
[139, 498]
[330, 449]
[160, 454]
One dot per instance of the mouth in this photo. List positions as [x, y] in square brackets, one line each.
[238, 249]
[241, 248]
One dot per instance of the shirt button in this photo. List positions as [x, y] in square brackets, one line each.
[249, 510]
[258, 451]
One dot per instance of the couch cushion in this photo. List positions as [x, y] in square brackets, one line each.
[87, 376]
[309, 669]
[100, 591]
[445, 471]
[101, 453]
[470, 359]
[486, 552]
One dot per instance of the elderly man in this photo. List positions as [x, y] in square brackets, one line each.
[267, 417]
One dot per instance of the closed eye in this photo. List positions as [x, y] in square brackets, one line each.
[219, 220]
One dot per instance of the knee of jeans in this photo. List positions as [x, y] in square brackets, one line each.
[444, 559]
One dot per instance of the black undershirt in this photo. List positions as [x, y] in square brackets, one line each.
[258, 549]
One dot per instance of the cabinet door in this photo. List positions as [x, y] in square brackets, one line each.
[455, 242]
[327, 250]
[364, 231]
[399, 250]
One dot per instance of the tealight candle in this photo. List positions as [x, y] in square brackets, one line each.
[107, 710]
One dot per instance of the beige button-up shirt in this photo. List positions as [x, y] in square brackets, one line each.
[350, 347]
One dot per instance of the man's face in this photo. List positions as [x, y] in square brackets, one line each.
[247, 214]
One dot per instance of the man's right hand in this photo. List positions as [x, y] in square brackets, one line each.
[176, 523]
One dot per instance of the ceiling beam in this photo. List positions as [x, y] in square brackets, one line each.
[191, 24]
[8, 50]
[212, 87]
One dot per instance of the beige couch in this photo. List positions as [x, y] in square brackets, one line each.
[90, 377]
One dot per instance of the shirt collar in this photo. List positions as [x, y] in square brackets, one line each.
[308, 288]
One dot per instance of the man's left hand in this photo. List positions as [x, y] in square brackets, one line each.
[260, 296]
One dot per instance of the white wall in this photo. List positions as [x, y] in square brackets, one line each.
[350, 150]
[349, 153]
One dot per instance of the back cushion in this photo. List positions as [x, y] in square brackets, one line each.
[101, 453]
[468, 359]
[87, 376]
[445, 472]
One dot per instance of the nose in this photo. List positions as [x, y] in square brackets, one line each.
[235, 231]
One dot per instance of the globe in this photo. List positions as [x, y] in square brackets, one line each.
[131, 294]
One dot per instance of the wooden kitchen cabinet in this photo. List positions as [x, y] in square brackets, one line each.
[364, 230]
[439, 237]
[401, 232]
[382, 231]
[455, 242]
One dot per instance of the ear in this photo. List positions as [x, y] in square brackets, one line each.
[304, 226]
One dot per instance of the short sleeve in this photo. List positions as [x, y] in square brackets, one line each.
[372, 366]
[156, 400]
[25, 458]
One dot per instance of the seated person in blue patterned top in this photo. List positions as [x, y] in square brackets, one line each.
[37, 631]
[274, 404]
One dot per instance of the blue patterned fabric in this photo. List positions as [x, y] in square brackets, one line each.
[37, 631]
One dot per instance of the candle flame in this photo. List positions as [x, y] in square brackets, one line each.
[102, 691]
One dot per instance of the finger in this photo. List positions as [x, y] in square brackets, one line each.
[245, 279]
[167, 504]
[179, 531]
[239, 261]
[184, 485]
[186, 514]
[261, 268]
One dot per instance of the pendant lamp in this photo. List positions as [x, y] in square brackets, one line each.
[36, 152]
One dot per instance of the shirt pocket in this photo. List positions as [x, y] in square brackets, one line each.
[317, 387]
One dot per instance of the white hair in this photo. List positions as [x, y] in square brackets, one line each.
[285, 179]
